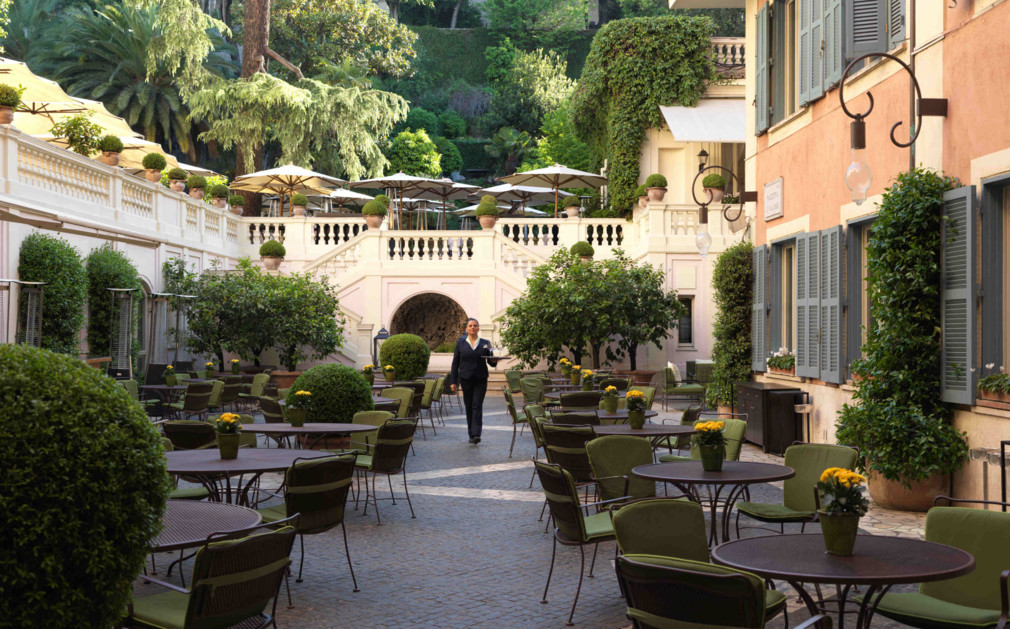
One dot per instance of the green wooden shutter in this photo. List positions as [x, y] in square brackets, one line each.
[957, 290]
[834, 35]
[831, 304]
[895, 23]
[758, 339]
[865, 32]
[806, 50]
[761, 71]
[808, 305]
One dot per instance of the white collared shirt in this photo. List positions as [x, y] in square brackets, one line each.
[473, 346]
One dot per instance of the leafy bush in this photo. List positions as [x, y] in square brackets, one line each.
[529, 87]
[453, 125]
[731, 283]
[487, 208]
[81, 134]
[899, 422]
[154, 161]
[219, 191]
[10, 96]
[572, 201]
[196, 182]
[107, 269]
[640, 191]
[52, 260]
[473, 155]
[110, 144]
[413, 153]
[655, 181]
[374, 208]
[299, 199]
[995, 383]
[84, 491]
[408, 353]
[272, 248]
[782, 359]
[338, 392]
[583, 248]
[450, 159]
[383, 199]
[445, 348]
[178, 174]
[236, 199]
[715, 180]
[487, 198]
[419, 119]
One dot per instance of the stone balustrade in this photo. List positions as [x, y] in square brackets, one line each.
[728, 50]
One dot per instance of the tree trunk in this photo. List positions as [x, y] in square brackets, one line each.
[292, 364]
[576, 354]
[220, 358]
[255, 39]
[632, 356]
[596, 354]
[455, 13]
[394, 9]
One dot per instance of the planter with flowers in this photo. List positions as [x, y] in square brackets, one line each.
[10, 98]
[298, 204]
[153, 164]
[272, 253]
[235, 366]
[711, 442]
[177, 180]
[389, 372]
[236, 203]
[576, 375]
[228, 427]
[610, 399]
[111, 147]
[196, 185]
[588, 380]
[636, 408]
[368, 371]
[219, 196]
[210, 367]
[487, 212]
[995, 386]
[374, 211]
[655, 186]
[842, 502]
[782, 361]
[298, 407]
[566, 368]
[169, 374]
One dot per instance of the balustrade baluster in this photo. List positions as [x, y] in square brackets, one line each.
[554, 235]
[252, 234]
[392, 248]
[441, 243]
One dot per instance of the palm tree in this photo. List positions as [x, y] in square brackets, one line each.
[102, 55]
[28, 28]
[510, 147]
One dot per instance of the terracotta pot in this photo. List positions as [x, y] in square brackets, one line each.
[196, 193]
[177, 185]
[643, 202]
[572, 212]
[6, 115]
[152, 174]
[271, 263]
[716, 194]
[220, 203]
[236, 209]
[639, 377]
[656, 194]
[110, 158]
[724, 409]
[487, 222]
[789, 372]
[228, 445]
[586, 259]
[712, 457]
[284, 379]
[298, 210]
[839, 532]
[373, 222]
[890, 494]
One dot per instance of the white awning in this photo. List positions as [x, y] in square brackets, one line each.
[713, 120]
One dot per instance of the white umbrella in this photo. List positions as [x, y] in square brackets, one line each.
[350, 197]
[287, 179]
[399, 182]
[531, 195]
[557, 176]
[199, 170]
[444, 190]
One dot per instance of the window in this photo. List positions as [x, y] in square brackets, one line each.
[995, 274]
[784, 72]
[788, 297]
[1006, 274]
[685, 328]
[858, 317]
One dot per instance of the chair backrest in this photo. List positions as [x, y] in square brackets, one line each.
[562, 499]
[984, 535]
[235, 579]
[429, 390]
[197, 396]
[566, 446]
[316, 489]
[650, 395]
[217, 388]
[534, 415]
[439, 388]
[575, 419]
[184, 365]
[392, 443]
[510, 405]
[662, 526]
[272, 411]
[810, 460]
[612, 459]
[230, 392]
[402, 394]
[735, 431]
[231, 379]
[372, 418]
[259, 383]
[188, 434]
[512, 377]
[622, 384]
[669, 592]
[131, 388]
[155, 373]
[533, 389]
[589, 400]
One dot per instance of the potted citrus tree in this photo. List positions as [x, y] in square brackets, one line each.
[374, 211]
[571, 207]
[177, 179]
[584, 250]
[219, 195]
[487, 211]
[153, 164]
[272, 253]
[714, 185]
[10, 97]
[237, 203]
[111, 147]
[298, 204]
[643, 196]
[196, 185]
[655, 185]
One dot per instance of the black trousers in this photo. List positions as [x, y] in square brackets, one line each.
[473, 400]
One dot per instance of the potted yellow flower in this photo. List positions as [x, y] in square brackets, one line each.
[842, 502]
[209, 368]
[610, 399]
[566, 368]
[170, 375]
[389, 372]
[636, 408]
[576, 374]
[228, 427]
[711, 442]
[234, 366]
[369, 372]
[587, 380]
[299, 407]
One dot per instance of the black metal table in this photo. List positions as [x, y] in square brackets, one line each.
[187, 523]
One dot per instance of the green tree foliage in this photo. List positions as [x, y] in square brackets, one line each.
[899, 422]
[419, 119]
[533, 23]
[450, 159]
[508, 148]
[530, 86]
[413, 153]
[80, 133]
[31, 23]
[731, 284]
[558, 144]
[338, 392]
[52, 260]
[178, 280]
[635, 65]
[84, 491]
[648, 312]
[306, 118]
[108, 268]
[306, 318]
[408, 353]
[728, 22]
[453, 125]
[187, 37]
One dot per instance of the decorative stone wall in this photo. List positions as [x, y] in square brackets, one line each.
[435, 318]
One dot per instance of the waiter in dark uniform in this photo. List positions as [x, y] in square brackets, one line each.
[469, 371]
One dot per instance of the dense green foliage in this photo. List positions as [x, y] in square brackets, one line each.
[107, 269]
[473, 154]
[655, 181]
[154, 161]
[527, 86]
[272, 248]
[84, 491]
[236, 199]
[715, 180]
[178, 174]
[408, 353]
[413, 153]
[196, 181]
[299, 199]
[732, 289]
[9, 96]
[450, 159]
[79, 132]
[634, 66]
[419, 118]
[640, 191]
[899, 422]
[557, 143]
[509, 147]
[110, 144]
[338, 392]
[487, 207]
[453, 125]
[647, 312]
[583, 248]
[306, 318]
[374, 208]
[218, 191]
[537, 22]
[45, 258]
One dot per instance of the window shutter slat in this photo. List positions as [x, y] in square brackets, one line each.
[758, 343]
[801, 303]
[834, 36]
[864, 32]
[808, 309]
[761, 71]
[816, 49]
[895, 23]
[831, 304]
[957, 291]
[806, 50]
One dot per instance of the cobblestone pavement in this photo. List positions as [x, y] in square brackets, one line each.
[476, 555]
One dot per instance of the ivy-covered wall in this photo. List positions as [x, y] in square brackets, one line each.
[107, 269]
[731, 283]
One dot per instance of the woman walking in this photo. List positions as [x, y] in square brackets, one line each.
[469, 371]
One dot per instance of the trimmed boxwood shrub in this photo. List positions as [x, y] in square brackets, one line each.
[299, 199]
[110, 144]
[453, 125]
[196, 182]
[408, 353]
[154, 161]
[272, 248]
[52, 260]
[84, 491]
[450, 159]
[10, 96]
[236, 199]
[655, 181]
[488, 207]
[715, 180]
[178, 174]
[731, 281]
[108, 269]
[640, 191]
[375, 207]
[583, 248]
[383, 199]
[338, 392]
[219, 191]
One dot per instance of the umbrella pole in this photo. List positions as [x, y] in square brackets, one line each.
[555, 202]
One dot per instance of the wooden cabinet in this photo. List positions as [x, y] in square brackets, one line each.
[772, 422]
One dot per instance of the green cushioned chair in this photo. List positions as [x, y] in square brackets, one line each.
[403, 395]
[979, 598]
[512, 377]
[735, 432]
[250, 397]
[688, 417]
[425, 405]
[190, 434]
[233, 582]
[372, 418]
[194, 403]
[675, 386]
[534, 415]
[809, 460]
[183, 493]
[668, 593]
[389, 457]
[581, 400]
[612, 459]
[517, 419]
[622, 384]
[134, 390]
[214, 403]
[533, 392]
[566, 446]
[574, 526]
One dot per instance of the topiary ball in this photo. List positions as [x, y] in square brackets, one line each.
[383, 199]
[236, 199]
[374, 208]
[196, 182]
[640, 191]
[299, 199]
[583, 248]
[219, 191]
[154, 161]
[338, 392]
[83, 491]
[655, 181]
[178, 174]
[272, 248]
[408, 353]
[572, 201]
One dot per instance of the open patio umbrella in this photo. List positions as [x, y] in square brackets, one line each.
[199, 170]
[531, 195]
[350, 197]
[41, 96]
[399, 182]
[444, 190]
[286, 180]
[556, 176]
[132, 156]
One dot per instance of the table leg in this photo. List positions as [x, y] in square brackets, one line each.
[735, 492]
[243, 497]
[805, 597]
[868, 608]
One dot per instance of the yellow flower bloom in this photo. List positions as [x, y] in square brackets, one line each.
[208, 364]
[303, 392]
[611, 389]
[577, 367]
[228, 418]
[234, 360]
[634, 394]
[389, 368]
[587, 372]
[369, 367]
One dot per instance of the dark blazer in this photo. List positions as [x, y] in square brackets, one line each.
[467, 363]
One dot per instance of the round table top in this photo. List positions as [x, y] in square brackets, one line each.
[399, 383]
[877, 560]
[733, 472]
[187, 523]
[376, 399]
[621, 413]
[307, 429]
[648, 430]
[556, 395]
[209, 461]
[163, 387]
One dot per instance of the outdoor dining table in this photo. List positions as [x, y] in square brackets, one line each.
[399, 383]
[376, 399]
[211, 471]
[655, 432]
[735, 476]
[187, 523]
[556, 395]
[878, 563]
[620, 416]
[320, 430]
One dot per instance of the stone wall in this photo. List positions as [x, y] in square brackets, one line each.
[435, 318]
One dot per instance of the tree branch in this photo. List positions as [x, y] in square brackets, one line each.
[284, 62]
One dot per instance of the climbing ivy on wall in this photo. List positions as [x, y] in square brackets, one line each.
[731, 282]
[634, 66]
